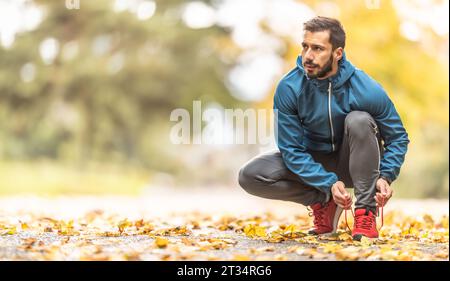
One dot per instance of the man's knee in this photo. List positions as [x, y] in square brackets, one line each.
[359, 123]
[252, 176]
[247, 176]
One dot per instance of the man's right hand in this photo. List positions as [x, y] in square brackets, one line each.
[341, 196]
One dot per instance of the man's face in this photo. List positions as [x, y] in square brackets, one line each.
[317, 54]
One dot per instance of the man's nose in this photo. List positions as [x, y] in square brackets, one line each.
[309, 55]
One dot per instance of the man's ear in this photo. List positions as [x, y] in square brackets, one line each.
[338, 53]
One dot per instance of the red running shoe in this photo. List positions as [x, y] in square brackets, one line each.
[326, 217]
[365, 225]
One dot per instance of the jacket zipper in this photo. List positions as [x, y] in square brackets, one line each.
[329, 116]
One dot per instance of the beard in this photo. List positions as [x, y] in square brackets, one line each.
[322, 71]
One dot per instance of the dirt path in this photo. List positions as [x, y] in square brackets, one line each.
[206, 225]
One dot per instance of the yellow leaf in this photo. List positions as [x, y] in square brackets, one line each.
[291, 228]
[219, 245]
[12, 230]
[181, 230]
[9, 231]
[69, 224]
[260, 231]
[253, 231]
[24, 225]
[123, 224]
[345, 237]
[240, 258]
[161, 242]
[138, 224]
[166, 257]
[249, 230]
[195, 225]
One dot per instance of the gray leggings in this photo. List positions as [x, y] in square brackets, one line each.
[356, 163]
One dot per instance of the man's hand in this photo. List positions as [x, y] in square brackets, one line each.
[384, 192]
[341, 196]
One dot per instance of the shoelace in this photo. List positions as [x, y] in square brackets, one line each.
[346, 222]
[364, 223]
[382, 217]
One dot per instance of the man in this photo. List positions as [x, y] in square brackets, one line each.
[331, 119]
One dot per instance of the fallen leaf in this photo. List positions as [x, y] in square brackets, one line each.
[241, 258]
[124, 224]
[161, 242]
[253, 231]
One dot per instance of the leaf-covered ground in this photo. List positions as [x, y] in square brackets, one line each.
[97, 228]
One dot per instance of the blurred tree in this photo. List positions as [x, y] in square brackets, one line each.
[108, 92]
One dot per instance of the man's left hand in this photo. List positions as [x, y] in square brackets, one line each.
[384, 192]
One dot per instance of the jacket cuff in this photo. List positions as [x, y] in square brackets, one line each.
[386, 178]
[334, 178]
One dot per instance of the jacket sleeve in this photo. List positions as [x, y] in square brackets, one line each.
[392, 132]
[288, 136]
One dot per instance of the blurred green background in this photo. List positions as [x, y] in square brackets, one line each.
[86, 92]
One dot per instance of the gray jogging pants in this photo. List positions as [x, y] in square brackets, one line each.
[356, 163]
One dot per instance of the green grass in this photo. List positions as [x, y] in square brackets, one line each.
[51, 178]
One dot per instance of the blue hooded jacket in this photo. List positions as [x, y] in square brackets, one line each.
[310, 115]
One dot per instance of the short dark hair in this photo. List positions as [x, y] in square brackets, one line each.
[337, 33]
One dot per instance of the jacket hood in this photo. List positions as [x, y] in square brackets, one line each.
[345, 71]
